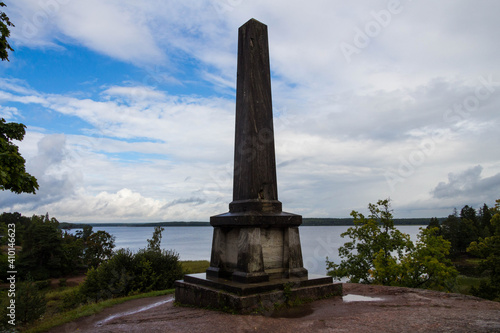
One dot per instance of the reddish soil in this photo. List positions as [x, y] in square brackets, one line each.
[396, 310]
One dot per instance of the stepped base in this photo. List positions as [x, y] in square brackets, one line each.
[198, 290]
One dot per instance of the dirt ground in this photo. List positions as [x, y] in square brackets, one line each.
[383, 309]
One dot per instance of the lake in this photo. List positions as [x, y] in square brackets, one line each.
[195, 243]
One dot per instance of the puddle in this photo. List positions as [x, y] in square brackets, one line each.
[359, 298]
[128, 313]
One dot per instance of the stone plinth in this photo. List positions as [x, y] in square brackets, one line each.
[263, 297]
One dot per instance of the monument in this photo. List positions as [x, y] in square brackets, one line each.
[256, 254]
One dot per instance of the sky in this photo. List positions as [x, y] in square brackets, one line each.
[130, 106]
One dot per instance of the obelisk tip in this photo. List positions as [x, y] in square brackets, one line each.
[253, 21]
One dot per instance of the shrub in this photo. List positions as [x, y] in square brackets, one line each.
[127, 273]
[30, 302]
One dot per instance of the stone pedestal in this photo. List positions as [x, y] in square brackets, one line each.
[256, 253]
[245, 298]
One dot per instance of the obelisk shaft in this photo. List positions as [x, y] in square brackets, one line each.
[255, 185]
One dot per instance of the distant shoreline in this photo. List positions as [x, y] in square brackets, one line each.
[306, 222]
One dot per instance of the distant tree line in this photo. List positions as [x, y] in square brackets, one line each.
[308, 221]
[68, 226]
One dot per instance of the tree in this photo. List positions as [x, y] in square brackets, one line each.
[99, 247]
[485, 221]
[42, 253]
[13, 175]
[381, 254]
[73, 248]
[426, 266]
[30, 302]
[372, 237]
[451, 231]
[155, 242]
[434, 223]
[466, 228]
[488, 248]
[85, 233]
[21, 223]
[5, 33]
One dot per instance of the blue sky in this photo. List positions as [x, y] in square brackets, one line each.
[130, 106]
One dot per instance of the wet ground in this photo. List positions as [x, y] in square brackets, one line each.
[363, 308]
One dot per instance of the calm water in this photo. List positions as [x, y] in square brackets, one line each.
[195, 243]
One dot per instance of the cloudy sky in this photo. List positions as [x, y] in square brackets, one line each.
[129, 106]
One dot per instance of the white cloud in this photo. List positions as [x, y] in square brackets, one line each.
[468, 183]
[117, 29]
[412, 103]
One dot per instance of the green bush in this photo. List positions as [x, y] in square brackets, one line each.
[72, 299]
[156, 270]
[30, 302]
[44, 284]
[127, 273]
[485, 290]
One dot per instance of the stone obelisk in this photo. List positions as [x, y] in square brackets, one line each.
[255, 240]
[256, 250]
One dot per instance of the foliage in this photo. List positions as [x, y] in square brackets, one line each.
[127, 273]
[155, 241]
[468, 227]
[85, 233]
[379, 253]
[488, 248]
[98, 247]
[42, 254]
[49, 252]
[372, 237]
[13, 175]
[434, 223]
[20, 222]
[426, 266]
[30, 302]
[465, 284]
[5, 23]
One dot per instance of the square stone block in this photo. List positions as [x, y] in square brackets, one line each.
[215, 293]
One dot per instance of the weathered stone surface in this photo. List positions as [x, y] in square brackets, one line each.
[198, 290]
[254, 185]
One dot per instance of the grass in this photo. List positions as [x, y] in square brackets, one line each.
[195, 266]
[464, 283]
[85, 310]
